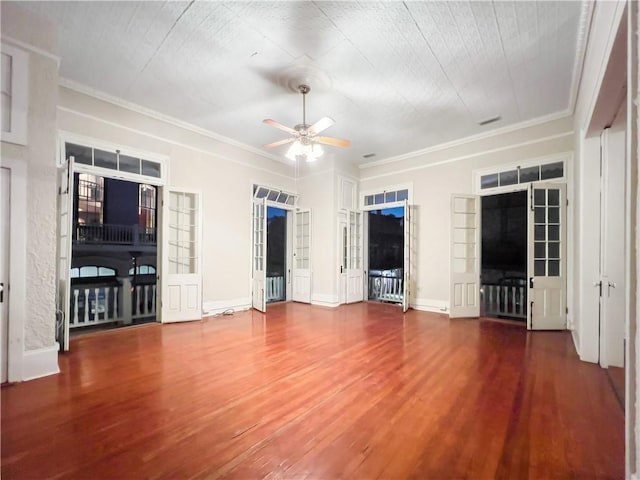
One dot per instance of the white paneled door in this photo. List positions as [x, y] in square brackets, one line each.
[302, 256]
[65, 219]
[612, 280]
[465, 256]
[182, 262]
[5, 213]
[259, 278]
[406, 282]
[547, 266]
[355, 269]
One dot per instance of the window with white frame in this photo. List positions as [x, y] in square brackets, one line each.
[384, 197]
[14, 85]
[511, 177]
[274, 195]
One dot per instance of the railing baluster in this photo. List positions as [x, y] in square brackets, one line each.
[87, 307]
[146, 299]
[74, 318]
[95, 313]
[138, 289]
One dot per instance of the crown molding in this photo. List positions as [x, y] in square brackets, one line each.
[581, 49]
[473, 138]
[105, 97]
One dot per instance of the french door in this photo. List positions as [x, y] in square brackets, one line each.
[547, 264]
[355, 268]
[259, 300]
[302, 256]
[65, 219]
[465, 256]
[182, 263]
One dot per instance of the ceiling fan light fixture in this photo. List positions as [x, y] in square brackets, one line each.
[310, 151]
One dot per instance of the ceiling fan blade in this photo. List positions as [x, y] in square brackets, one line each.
[279, 142]
[320, 125]
[335, 142]
[273, 123]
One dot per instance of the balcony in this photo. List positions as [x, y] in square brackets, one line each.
[386, 285]
[109, 234]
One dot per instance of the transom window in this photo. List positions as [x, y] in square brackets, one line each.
[385, 197]
[522, 175]
[274, 195]
[112, 160]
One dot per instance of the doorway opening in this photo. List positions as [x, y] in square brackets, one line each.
[504, 256]
[113, 254]
[386, 245]
[276, 255]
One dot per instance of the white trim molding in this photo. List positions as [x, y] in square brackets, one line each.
[40, 363]
[430, 305]
[213, 307]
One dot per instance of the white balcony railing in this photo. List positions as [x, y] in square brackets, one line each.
[275, 289]
[386, 285]
[504, 300]
[101, 304]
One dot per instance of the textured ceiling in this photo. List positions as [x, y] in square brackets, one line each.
[396, 76]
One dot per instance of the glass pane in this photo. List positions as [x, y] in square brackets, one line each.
[554, 249]
[508, 178]
[273, 195]
[554, 268]
[554, 197]
[390, 197]
[554, 232]
[262, 192]
[282, 198]
[539, 197]
[539, 268]
[554, 215]
[379, 198]
[105, 159]
[539, 232]
[106, 272]
[88, 271]
[402, 195]
[539, 215]
[529, 174]
[489, 181]
[81, 154]
[368, 200]
[291, 200]
[129, 164]
[151, 169]
[552, 170]
[539, 250]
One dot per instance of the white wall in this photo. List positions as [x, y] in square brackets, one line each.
[439, 173]
[224, 174]
[37, 37]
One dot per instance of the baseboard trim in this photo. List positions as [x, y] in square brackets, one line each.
[430, 305]
[218, 306]
[40, 363]
[325, 300]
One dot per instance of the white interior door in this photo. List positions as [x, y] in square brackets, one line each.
[259, 299]
[355, 270]
[65, 219]
[5, 221]
[343, 248]
[406, 282]
[182, 263]
[465, 256]
[612, 266]
[302, 257]
[547, 266]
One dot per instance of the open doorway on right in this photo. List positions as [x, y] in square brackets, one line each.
[504, 256]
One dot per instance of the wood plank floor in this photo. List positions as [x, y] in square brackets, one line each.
[361, 391]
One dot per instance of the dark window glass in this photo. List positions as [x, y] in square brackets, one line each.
[262, 192]
[273, 195]
[105, 159]
[402, 195]
[552, 170]
[379, 198]
[80, 153]
[539, 268]
[129, 164]
[539, 250]
[539, 232]
[554, 215]
[368, 200]
[554, 232]
[529, 174]
[554, 249]
[390, 197]
[539, 215]
[554, 268]
[539, 196]
[508, 178]
[554, 197]
[150, 169]
[489, 181]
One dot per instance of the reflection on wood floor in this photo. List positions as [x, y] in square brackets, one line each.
[359, 391]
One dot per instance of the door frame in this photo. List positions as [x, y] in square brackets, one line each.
[18, 267]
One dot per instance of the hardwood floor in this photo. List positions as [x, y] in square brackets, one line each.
[360, 391]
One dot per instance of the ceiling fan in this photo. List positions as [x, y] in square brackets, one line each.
[305, 140]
